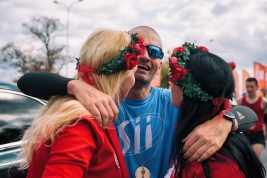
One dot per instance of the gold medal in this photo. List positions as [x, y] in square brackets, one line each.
[142, 172]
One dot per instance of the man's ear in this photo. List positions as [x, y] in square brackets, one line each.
[159, 68]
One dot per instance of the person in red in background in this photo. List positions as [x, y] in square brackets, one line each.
[258, 104]
[65, 140]
[202, 84]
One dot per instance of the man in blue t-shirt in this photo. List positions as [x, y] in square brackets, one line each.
[146, 129]
[147, 119]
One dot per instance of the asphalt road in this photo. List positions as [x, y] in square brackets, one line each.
[264, 158]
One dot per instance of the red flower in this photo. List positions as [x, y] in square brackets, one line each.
[179, 49]
[140, 39]
[138, 48]
[84, 68]
[131, 61]
[203, 48]
[232, 65]
[173, 60]
[178, 73]
[184, 72]
[141, 43]
[86, 73]
[176, 65]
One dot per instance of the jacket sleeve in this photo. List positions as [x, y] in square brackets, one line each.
[43, 84]
[71, 152]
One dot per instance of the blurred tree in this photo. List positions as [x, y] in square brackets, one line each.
[165, 70]
[46, 59]
[164, 73]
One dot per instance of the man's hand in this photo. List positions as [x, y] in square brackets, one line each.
[100, 105]
[206, 139]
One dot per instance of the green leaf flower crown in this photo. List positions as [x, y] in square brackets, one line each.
[180, 76]
[126, 60]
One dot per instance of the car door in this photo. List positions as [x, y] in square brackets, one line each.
[17, 112]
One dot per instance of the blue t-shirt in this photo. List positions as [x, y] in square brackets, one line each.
[146, 129]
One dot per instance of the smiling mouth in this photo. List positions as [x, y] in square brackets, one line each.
[140, 66]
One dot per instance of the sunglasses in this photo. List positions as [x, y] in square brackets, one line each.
[154, 51]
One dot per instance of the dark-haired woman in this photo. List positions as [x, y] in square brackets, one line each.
[203, 83]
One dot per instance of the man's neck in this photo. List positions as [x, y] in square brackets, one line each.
[137, 93]
[252, 98]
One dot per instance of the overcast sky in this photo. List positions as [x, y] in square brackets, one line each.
[236, 30]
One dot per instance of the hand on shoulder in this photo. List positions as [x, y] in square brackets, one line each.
[100, 105]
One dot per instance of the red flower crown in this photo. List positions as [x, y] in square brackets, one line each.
[181, 76]
[126, 60]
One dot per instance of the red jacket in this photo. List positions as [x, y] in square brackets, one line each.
[80, 151]
[218, 169]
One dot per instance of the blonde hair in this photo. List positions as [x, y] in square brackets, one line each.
[95, 49]
[63, 111]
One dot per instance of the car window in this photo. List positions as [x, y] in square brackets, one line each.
[16, 114]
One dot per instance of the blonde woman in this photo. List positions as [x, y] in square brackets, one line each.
[65, 140]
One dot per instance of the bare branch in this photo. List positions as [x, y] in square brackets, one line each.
[45, 30]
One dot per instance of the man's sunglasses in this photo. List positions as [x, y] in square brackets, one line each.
[154, 51]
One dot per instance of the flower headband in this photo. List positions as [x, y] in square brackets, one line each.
[182, 77]
[126, 60]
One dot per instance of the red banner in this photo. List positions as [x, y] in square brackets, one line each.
[245, 75]
[260, 73]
